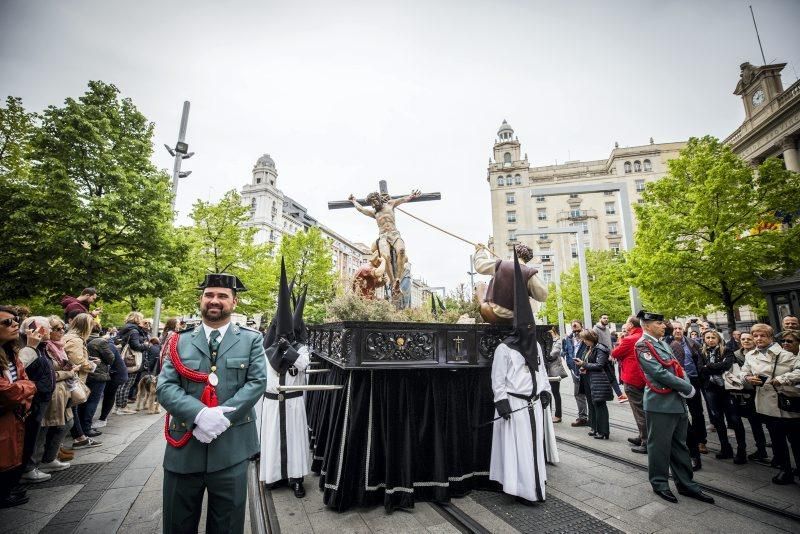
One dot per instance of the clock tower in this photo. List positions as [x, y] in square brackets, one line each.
[758, 87]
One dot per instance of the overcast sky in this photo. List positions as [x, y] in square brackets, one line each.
[344, 93]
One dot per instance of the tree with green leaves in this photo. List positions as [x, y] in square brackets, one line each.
[608, 290]
[309, 260]
[710, 228]
[92, 210]
[219, 240]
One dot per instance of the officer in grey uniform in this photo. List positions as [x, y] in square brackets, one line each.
[665, 396]
[213, 376]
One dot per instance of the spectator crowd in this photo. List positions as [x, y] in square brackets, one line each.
[753, 376]
[54, 374]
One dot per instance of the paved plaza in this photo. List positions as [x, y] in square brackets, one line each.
[117, 488]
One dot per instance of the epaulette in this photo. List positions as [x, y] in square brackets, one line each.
[254, 330]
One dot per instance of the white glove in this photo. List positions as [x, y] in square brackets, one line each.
[212, 421]
[688, 395]
[201, 436]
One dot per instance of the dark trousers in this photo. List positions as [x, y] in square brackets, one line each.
[555, 388]
[227, 497]
[723, 409]
[33, 425]
[697, 432]
[666, 450]
[49, 442]
[598, 415]
[109, 398]
[746, 408]
[8, 480]
[636, 400]
[87, 409]
[780, 431]
[134, 385]
[76, 431]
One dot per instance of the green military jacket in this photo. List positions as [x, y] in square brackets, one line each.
[241, 368]
[661, 377]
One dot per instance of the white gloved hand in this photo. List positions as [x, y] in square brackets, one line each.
[212, 421]
[201, 436]
[688, 395]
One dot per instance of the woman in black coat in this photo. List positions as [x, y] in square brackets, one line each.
[598, 369]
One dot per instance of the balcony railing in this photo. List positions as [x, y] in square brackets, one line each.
[576, 215]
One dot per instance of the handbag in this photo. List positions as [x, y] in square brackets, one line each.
[132, 358]
[786, 402]
[733, 380]
[78, 391]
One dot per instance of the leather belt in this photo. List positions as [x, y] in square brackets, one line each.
[528, 398]
[283, 396]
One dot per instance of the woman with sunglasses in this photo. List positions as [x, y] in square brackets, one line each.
[790, 340]
[16, 393]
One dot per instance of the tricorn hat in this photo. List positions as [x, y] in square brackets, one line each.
[649, 316]
[226, 280]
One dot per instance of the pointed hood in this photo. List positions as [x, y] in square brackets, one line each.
[281, 357]
[300, 331]
[291, 292]
[523, 338]
[433, 305]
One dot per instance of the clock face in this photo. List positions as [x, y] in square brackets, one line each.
[758, 98]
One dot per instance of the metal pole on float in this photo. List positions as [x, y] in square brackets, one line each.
[180, 153]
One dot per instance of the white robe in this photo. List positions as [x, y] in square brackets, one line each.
[298, 461]
[516, 459]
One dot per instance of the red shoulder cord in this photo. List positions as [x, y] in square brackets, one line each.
[209, 396]
[672, 364]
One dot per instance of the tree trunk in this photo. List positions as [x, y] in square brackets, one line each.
[727, 301]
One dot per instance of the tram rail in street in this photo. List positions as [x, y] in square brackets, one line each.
[458, 518]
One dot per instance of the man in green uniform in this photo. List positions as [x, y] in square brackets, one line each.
[213, 376]
[665, 396]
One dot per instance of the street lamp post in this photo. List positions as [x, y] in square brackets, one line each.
[557, 277]
[587, 310]
[180, 153]
[626, 214]
[471, 274]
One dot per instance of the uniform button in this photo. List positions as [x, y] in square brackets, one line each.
[242, 366]
[183, 425]
[248, 417]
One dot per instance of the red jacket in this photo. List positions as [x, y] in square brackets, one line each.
[13, 396]
[72, 307]
[625, 354]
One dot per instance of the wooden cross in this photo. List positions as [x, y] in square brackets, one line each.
[384, 190]
[458, 341]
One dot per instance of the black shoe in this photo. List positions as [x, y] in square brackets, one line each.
[92, 433]
[525, 502]
[666, 494]
[641, 449]
[726, 453]
[14, 500]
[783, 478]
[700, 496]
[19, 490]
[635, 441]
[741, 456]
[600, 436]
[592, 433]
[299, 490]
[760, 454]
[697, 464]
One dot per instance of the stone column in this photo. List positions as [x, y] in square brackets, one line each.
[790, 156]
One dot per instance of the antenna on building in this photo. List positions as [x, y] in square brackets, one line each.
[763, 58]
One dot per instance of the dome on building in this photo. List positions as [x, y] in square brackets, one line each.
[265, 161]
[506, 132]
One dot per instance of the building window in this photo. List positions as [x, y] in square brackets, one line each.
[539, 199]
[541, 214]
[611, 208]
[608, 193]
[512, 235]
[511, 216]
[258, 180]
[545, 258]
[637, 166]
[510, 198]
[647, 166]
[509, 180]
[547, 276]
[272, 182]
[584, 226]
[627, 167]
[573, 248]
[253, 205]
[575, 213]
[639, 186]
[615, 248]
[612, 228]
[507, 157]
[573, 195]
[543, 237]
[500, 181]
[518, 179]
[640, 201]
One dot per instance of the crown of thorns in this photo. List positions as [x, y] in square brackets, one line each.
[382, 197]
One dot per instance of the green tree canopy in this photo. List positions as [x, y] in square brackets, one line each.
[710, 228]
[219, 240]
[608, 290]
[93, 210]
[309, 260]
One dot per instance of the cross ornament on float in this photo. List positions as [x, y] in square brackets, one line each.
[390, 246]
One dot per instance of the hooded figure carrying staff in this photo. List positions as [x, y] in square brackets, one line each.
[522, 439]
[284, 428]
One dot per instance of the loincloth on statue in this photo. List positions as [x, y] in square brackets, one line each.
[390, 238]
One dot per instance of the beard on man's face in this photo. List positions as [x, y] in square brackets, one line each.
[214, 312]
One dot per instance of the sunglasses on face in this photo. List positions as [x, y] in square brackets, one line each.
[9, 321]
[57, 329]
[790, 341]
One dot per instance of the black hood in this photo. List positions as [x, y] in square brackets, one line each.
[523, 337]
[300, 330]
[281, 358]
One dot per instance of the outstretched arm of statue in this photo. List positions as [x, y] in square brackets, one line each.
[537, 289]
[369, 212]
[483, 263]
[402, 200]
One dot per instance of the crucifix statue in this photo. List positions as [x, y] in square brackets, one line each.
[389, 245]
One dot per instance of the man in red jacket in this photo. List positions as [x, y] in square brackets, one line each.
[77, 305]
[633, 378]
